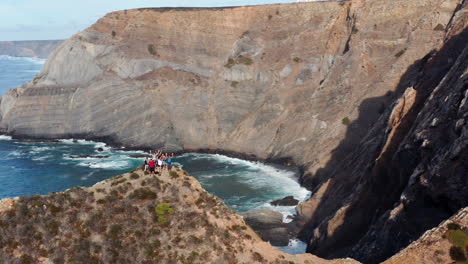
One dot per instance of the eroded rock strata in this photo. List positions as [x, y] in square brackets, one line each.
[133, 218]
[369, 97]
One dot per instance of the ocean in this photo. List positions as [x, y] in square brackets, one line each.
[31, 167]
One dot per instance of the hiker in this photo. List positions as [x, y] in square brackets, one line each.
[146, 164]
[160, 163]
[151, 166]
[169, 161]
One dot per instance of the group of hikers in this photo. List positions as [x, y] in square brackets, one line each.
[158, 161]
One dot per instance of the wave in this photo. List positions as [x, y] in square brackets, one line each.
[294, 247]
[116, 165]
[5, 137]
[28, 59]
[257, 174]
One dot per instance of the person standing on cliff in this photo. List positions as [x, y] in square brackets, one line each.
[146, 164]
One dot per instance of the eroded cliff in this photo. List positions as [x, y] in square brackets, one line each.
[311, 83]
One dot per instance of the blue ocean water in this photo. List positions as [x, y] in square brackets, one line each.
[28, 167]
[15, 71]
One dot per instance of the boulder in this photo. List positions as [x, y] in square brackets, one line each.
[286, 201]
[269, 225]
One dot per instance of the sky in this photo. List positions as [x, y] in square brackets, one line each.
[60, 19]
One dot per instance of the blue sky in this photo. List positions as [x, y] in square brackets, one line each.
[59, 19]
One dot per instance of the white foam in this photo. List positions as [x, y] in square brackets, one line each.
[295, 246]
[28, 59]
[106, 165]
[5, 137]
[261, 174]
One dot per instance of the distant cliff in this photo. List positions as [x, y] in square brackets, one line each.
[29, 48]
[346, 90]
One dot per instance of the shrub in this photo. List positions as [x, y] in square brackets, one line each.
[439, 27]
[345, 121]
[297, 59]
[152, 50]
[457, 254]
[162, 211]
[100, 201]
[113, 34]
[257, 257]
[26, 259]
[453, 226]
[234, 84]
[119, 181]
[244, 60]
[173, 174]
[270, 17]
[457, 237]
[134, 176]
[143, 194]
[239, 60]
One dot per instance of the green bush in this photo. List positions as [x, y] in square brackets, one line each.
[152, 50]
[234, 84]
[134, 176]
[143, 194]
[173, 174]
[297, 59]
[119, 181]
[239, 60]
[457, 237]
[439, 27]
[162, 211]
[345, 121]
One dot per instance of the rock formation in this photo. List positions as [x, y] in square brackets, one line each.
[133, 218]
[29, 48]
[369, 97]
[269, 225]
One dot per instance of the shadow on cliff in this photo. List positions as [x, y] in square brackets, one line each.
[368, 187]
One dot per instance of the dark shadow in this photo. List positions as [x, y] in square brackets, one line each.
[370, 183]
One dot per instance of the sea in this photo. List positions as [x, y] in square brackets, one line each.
[32, 167]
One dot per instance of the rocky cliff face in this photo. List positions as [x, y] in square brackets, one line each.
[133, 218]
[311, 83]
[30, 48]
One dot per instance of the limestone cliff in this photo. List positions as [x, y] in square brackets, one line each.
[29, 48]
[302, 82]
[133, 218]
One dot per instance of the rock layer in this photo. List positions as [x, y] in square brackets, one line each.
[308, 83]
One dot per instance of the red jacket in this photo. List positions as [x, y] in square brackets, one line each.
[151, 164]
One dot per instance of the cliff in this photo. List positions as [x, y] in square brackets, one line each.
[30, 48]
[133, 218]
[346, 90]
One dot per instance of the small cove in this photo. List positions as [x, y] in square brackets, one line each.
[30, 167]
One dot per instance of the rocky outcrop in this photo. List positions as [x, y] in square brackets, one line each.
[133, 218]
[313, 84]
[29, 48]
[269, 225]
[286, 201]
